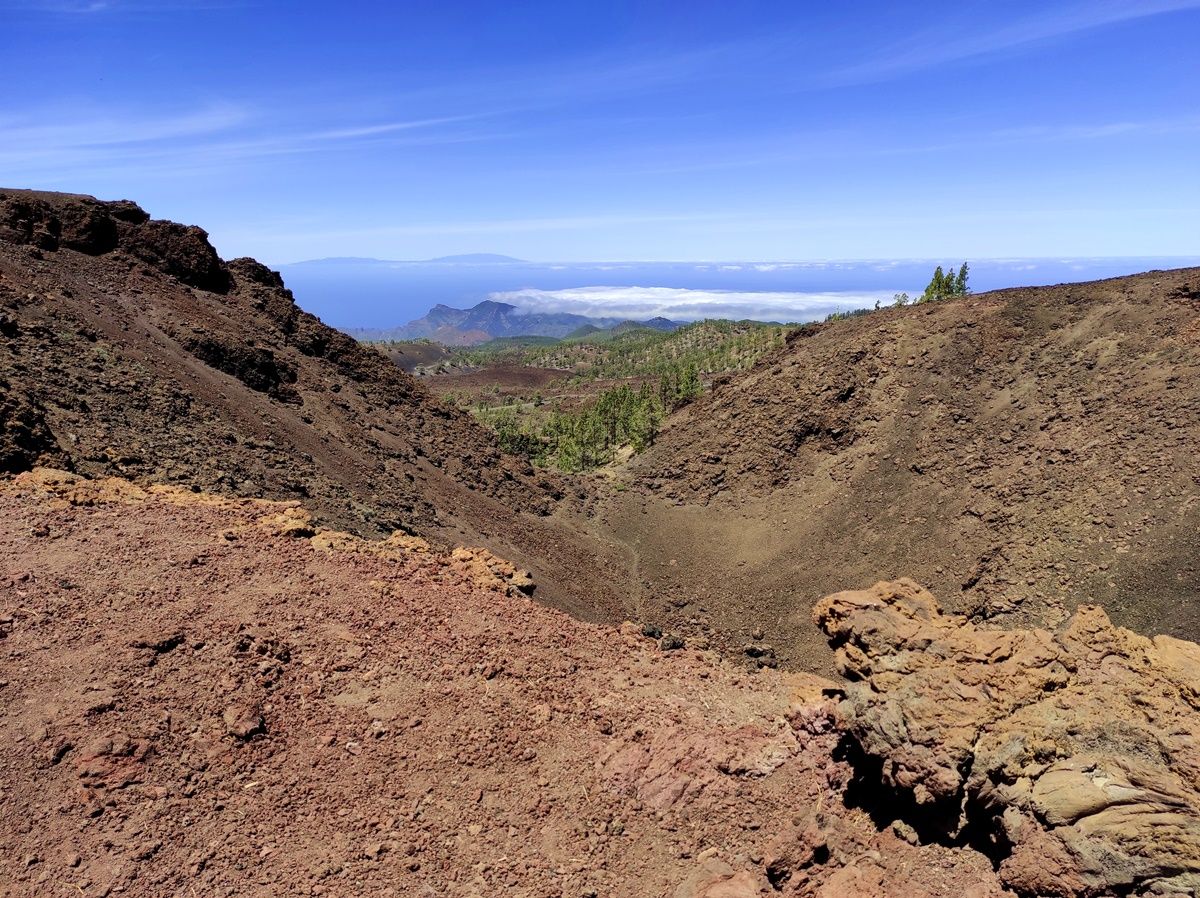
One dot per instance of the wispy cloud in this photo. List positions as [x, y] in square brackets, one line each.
[57, 147]
[113, 7]
[393, 127]
[60, 145]
[689, 305]
[679, 158]
[1096, 130]
[74, 129]
[931, 49]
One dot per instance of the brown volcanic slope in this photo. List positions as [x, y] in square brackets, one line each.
[1019, 452]
[130, 348]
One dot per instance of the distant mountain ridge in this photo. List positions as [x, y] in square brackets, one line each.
[477, 259]
[489, 319]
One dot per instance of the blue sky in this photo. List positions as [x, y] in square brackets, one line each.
[649, 130]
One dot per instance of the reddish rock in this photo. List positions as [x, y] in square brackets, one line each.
[243, 720]
[1077, 749]
[713, 878]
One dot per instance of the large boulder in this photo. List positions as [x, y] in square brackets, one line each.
[1072, 756]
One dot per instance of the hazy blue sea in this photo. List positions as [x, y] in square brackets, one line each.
[376, 293]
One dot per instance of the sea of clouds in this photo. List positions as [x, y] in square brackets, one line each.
[682, 304]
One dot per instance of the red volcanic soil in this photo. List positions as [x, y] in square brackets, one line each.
[507, 380]
[209, 696]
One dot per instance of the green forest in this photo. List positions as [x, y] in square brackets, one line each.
[582, 438]
[712, 346]
[665, 370]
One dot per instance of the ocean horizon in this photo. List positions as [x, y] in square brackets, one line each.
[377, 293]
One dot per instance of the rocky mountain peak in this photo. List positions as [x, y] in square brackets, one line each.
[58, 221]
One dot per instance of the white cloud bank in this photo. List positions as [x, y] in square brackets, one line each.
[688, 305]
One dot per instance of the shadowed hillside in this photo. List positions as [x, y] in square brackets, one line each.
[130, 348]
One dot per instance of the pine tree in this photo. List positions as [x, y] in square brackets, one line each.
[960, 282]
[689, 387]
[945, 284]
[937, 287]
[666, 390]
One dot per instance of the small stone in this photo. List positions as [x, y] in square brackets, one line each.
[243, 721]
[905, 831]
[671, 643]
[147, 850]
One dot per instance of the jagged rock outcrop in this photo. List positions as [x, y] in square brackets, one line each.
[1075, 752]
[25, 440]
[95, 228]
